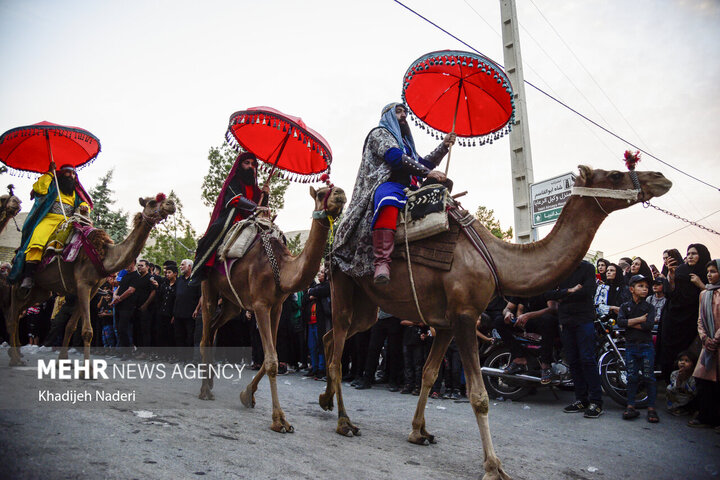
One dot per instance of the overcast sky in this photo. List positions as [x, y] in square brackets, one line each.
[157, 82]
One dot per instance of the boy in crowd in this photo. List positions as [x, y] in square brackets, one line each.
[638, 317]
[658, 299]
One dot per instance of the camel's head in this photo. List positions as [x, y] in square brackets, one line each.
[10, 204]
[331, 200]
[157, 208]
[652, 184]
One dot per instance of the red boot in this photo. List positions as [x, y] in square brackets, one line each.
[383, 245]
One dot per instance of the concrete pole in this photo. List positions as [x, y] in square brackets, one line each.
[520, 154]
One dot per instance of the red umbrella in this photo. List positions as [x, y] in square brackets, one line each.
[31, 148]
[460, 92]
[282, 141]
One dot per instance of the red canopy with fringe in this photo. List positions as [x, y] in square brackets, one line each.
[282, 141]
[30, 148]
[457, 91]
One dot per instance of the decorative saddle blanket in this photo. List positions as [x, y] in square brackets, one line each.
[243, 235]
[425, 214]
[68, 239]
[437, 251]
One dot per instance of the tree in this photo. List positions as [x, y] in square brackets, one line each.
[115, 223]
[293, 244]
[221, 161]
[173, 239]
[487, 218]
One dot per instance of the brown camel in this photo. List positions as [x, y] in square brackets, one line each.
[253, 280]
[82, 279]
[9, 207]
[452, 301]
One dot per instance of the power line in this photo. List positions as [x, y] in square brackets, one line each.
[662, 236]
[562, 103]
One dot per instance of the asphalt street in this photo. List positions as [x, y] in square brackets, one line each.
[166, 432]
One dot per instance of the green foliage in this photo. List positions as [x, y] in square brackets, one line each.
[293, 244]
[487, 218]
[173, 239]
[115, 223]
[221, 161]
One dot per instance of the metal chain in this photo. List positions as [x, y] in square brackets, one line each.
[695, 224]
[271, 256]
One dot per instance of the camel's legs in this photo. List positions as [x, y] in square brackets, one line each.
[247, 396]
[440, 343]
[83, 306]
[352, 312]
[464, 329]
[12, 320]
[268, 321]
[70, 327]
[209, 308]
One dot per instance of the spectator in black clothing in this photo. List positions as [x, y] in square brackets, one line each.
[185, 312]
[258, 356]
[638, 317]
[452, 373]
[535, 314]
[144, 297]
[320, 318]
[59, 322]
[576, 314]
[638, 267]
[166, 304]
[124, 303]
[387, 327]
[413, 355]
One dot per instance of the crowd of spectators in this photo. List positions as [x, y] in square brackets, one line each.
[152, 312]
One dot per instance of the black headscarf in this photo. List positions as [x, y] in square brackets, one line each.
[699, 268]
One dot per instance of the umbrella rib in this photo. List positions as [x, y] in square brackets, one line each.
[434, 102]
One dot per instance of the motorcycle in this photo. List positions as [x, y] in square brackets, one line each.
[610, 352]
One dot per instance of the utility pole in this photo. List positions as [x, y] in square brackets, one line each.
[520, 155]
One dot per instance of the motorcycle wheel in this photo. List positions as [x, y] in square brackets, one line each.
[613, 377]
[499, 387]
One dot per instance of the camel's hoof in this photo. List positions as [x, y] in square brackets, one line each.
[247, 399]
[326, 401]
[280, 428]
[348, 430]
[496, 475]
[206, 395]
[418, 439]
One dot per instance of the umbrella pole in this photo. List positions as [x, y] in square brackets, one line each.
[457, 104]
[57, 184]
[277, 160]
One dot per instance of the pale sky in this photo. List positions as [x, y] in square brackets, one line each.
[156, 82]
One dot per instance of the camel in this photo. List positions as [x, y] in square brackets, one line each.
[9, 207]
[452, 301]
[253, 280]
[82, 278]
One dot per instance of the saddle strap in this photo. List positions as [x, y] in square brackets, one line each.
[265, 237]
[465, 221]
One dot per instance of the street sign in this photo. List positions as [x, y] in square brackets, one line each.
[548, 198]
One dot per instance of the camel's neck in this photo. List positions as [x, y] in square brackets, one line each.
[530, 269]
[119, 256]
[298, 272]
[4, 219]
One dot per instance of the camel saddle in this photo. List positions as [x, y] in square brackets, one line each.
[425, 214]
[68, 239]
[241, 236]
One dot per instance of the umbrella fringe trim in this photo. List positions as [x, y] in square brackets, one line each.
[464, 141]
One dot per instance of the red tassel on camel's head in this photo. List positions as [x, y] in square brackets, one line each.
[631, 159]
[160, 197]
